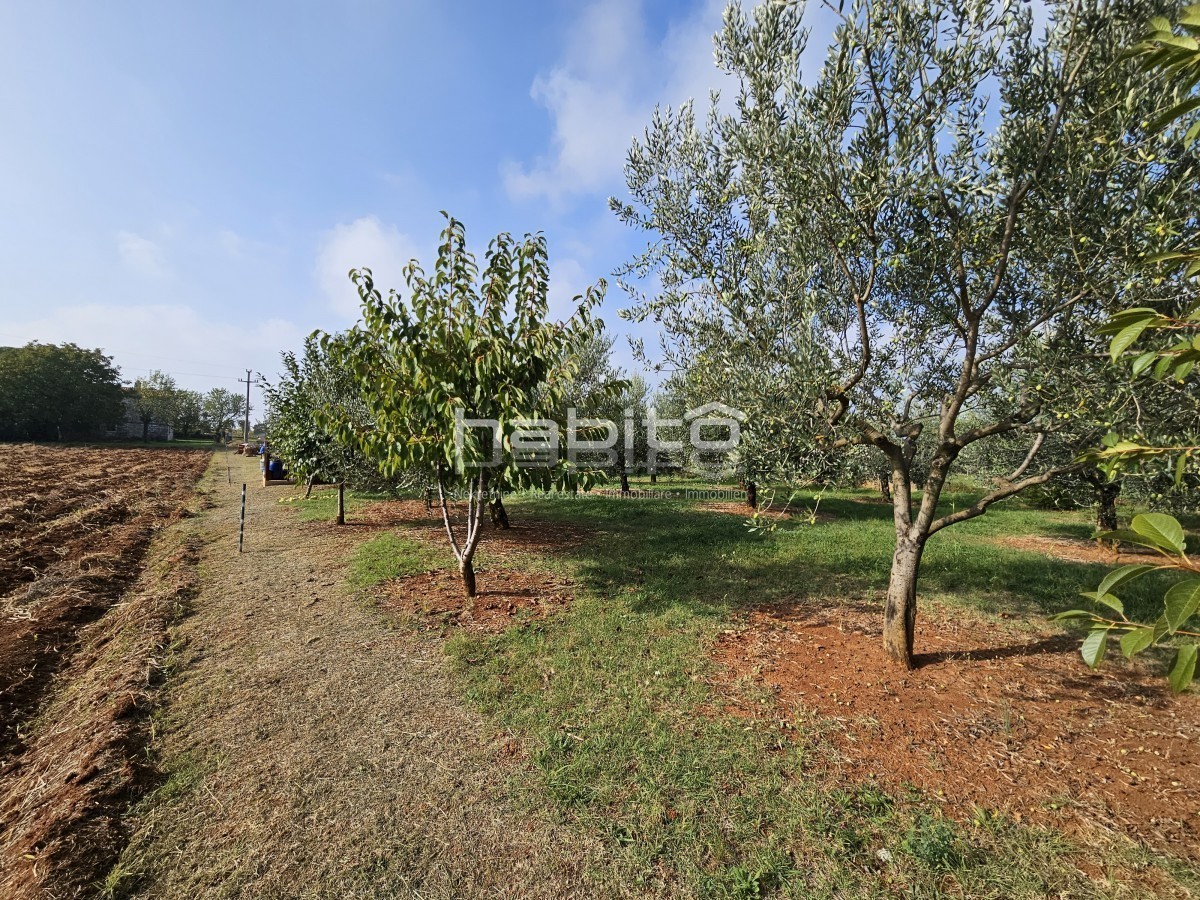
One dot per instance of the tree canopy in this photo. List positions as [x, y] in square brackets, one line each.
[56, 392]
[934, 218]
[463, 348]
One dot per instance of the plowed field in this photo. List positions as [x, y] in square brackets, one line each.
[74, 526]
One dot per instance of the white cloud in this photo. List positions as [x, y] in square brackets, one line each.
[363, 243]
[141, 255]
[602, 94]
[567, 281]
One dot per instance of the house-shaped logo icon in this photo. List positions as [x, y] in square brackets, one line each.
[721, 411]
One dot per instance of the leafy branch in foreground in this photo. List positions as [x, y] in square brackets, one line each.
[1174, 54]
[1164, 535]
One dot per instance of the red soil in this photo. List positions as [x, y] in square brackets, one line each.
[992, 717]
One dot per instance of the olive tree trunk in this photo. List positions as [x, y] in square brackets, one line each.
[900, 613]
[1106, 494]
[900, 610]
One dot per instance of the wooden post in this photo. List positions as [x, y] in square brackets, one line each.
[242, 523]
[266, 464]
[341, 517]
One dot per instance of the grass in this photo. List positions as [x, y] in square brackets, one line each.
[321, 506]
[390, 556]
[612, 699]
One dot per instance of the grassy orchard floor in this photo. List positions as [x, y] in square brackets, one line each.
[625, 728]
[332, 726]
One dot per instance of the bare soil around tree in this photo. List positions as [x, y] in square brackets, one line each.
[992, 719]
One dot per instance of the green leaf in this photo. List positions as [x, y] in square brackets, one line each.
[1136, 641]
[1184, 669]
[1181, 602]
[1142, 363]
[1177, 111]
[1123, 575]
[1127, 336]
[1073, 614]
[1094, 646]
[1111, 601]
[1126, 536]
[1163, 530]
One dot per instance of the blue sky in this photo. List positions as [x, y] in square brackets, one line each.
[186, 185]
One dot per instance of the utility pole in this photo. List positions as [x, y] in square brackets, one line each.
[246, 426]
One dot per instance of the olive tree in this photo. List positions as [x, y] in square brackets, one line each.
[938, 210]
[462, 348]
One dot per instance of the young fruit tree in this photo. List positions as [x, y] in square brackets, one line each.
[461, 349]
[932, 216]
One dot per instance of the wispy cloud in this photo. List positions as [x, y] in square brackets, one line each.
[364, 243]
[141, 255]
[602, 92]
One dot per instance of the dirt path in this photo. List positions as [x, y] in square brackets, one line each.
[314, 751]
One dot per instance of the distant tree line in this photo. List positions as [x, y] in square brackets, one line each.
[60, 392]
[55, 393]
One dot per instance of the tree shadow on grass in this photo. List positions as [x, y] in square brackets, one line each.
[669, 554]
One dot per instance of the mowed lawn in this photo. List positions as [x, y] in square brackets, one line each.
[626, 734]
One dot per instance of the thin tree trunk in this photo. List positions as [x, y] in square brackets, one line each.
[308, 491]
[654, 478]
[624, 481]
[885, 487]
[751, 494]
[341, 506]
[478, 497]
[467, 569]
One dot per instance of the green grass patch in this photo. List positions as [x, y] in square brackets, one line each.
[391, 555]
[625, 736]
[321, 505]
